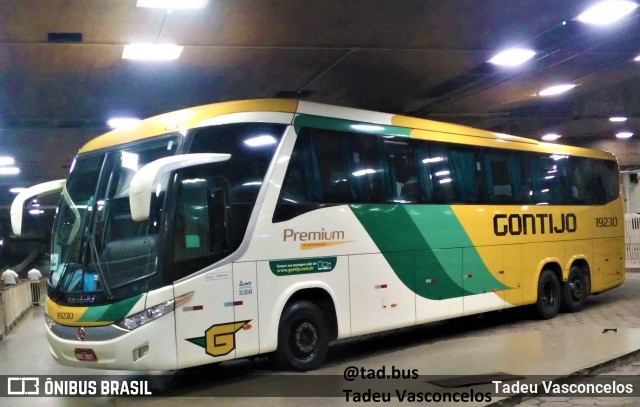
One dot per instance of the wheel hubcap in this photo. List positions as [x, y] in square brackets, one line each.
[548, 295]
[576, 289]
[304, 338]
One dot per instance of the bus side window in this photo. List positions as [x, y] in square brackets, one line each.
[506, 176]
[402, 180]
[440, 173]
[422, 162]
[607, 181]
[459, 177]
[583, 180]
[550, 179]
[326, 168]
[377, 168]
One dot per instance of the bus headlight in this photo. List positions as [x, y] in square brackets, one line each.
[50, 322]
[137, 320]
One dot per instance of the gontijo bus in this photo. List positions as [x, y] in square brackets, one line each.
[276, 226]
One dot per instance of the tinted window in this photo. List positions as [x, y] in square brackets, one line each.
[251, 146]
[607, 180]
[582, 180]
[403, 183]
[206, 226]
[507, 178]
[550, 179]
[214, 202]
[331, 168]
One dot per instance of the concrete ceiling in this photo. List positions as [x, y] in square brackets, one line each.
[421, 57]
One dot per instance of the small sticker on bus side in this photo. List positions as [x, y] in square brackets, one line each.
[219, 275]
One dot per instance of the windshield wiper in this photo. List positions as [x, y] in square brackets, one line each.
[96, 260]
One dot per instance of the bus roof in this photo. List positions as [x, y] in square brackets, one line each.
[185, 119]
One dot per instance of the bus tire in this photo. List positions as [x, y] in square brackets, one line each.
[575, 290]
[303, 337]
[549, 294]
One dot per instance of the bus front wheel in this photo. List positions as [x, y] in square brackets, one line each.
[303, 337]
[575, 290]
[549, 292]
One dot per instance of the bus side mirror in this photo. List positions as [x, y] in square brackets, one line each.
[17, 207]
[148, 179]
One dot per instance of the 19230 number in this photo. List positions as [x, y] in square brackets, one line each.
[607, 222]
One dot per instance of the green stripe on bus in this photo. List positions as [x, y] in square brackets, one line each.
[111, 312]
[441, 228]
[199, 340]
[330, 123]
[424, 247]
[402, 244]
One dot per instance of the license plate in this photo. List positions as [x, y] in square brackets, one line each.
[86, 355]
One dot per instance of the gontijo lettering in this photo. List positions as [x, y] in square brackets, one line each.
[529, 224]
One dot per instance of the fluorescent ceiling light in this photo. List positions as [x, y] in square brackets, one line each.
[366, 127]
[130, 160]
[123, 122]
[9, 170]
[172, 4]
[152, 52]
[512, 57]
[551, 137]
[36, 211]
[193, 181]
[432, 160]
[260, 141]
[17, 190]
[556, 90]
[7, 161]
[624, 134]
[617, 119]
[607, 12]
[360, 173]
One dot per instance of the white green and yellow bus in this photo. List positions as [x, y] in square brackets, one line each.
[277, 226]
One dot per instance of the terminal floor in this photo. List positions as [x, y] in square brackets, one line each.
[507, 341]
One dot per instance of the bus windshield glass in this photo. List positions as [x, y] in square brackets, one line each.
[99, 254]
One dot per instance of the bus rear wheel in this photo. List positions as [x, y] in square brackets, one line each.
[575, 290]
[549, 293]
[303, 337]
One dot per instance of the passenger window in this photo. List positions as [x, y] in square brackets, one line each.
[402, 181]
[376, 171]
[440, 173]
[607, 180]
[583, 180]
[550, 179]
[457, 177]
[506, 177]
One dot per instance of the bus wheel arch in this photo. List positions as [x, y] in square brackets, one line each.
[549, 291]
[577, 287]
[307, 324]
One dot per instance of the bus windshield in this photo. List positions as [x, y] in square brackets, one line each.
[99, 254]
